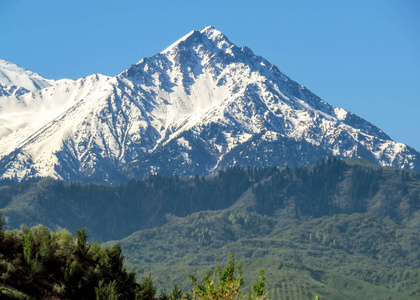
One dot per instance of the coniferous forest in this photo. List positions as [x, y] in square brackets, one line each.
[343, 229]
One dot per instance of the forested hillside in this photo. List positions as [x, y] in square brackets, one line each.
[113, 212]
[342, 229]
[354, 256]
[110, 212]
[338, 187]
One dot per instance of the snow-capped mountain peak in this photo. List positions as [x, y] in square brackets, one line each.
[175, 44]
[208, 37]
[13, 75]
[200, 105]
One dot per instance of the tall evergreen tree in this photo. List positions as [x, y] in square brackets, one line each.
[82, 246]
[28, 247]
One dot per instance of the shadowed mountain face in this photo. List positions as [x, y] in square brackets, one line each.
[200, 105]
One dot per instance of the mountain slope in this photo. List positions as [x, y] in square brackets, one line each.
[338, 257]
[17, 80]
[200, 105]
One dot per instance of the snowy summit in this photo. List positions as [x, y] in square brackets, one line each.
[200, 105]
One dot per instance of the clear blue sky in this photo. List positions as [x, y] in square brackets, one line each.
[363, 56]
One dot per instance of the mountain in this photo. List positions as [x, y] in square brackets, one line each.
[15, 80]
[202, 104]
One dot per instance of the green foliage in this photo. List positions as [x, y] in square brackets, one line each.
[225, 284]
[116, 259]
[59, 289]
[72, 270]
[28, 263]
[94, 250]
[176, 293]
[258, 288]
[28, 248]
[38, 233]
[107, 291]
[45, 249]
[8, 294]
[63, 243]
[146, 290]
[1, 224]
[81, 240]
[37, 265]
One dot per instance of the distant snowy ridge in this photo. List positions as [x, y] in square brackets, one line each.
[13, 75]
[200, 105]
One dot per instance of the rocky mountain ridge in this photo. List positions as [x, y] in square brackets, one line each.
[200, 105]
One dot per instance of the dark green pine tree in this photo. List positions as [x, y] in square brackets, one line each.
[82, 246]
[146, 291]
